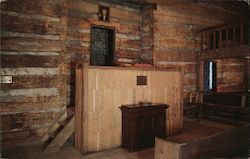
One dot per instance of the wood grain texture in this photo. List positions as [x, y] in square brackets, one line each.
[40, 40]
[31, 81]
[231, 75]
[108, 88]
[61, 137]
[31, 51]
[33, 120]
[26, 24]
[50, 8]
[176, 39]
[16, 61]
[79, 98]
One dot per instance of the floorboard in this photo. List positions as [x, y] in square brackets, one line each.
[69, 152]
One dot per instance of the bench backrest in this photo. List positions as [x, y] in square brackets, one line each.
[227, 99]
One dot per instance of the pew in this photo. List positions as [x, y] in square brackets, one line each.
[233, 106]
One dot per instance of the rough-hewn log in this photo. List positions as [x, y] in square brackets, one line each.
[52, 8]
[26, 24]
[30, 44]
[30, 92]
[28, 16]
[17, 61]
[29, 119]
[19, 107]
[34, 53]
[176, 56]
[20, 82]
[29, 71]
[229, 52]
[126, 54]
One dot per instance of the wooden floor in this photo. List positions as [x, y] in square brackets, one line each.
[195, 130]
[69, 152]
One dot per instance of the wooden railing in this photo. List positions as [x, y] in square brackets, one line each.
[224, 36]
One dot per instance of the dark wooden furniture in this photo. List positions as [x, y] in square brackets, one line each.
[141, 123]
[224, 105]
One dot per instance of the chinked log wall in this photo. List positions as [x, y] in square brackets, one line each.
[126, 21]
[231, 75]
[40, 40]
[176, 42]
[32, 51]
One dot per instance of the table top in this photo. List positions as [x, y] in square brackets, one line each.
[143, 105]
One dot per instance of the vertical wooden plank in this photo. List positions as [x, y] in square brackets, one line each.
[78, 106]
[214, 37]
[227, 30]
[104, 122]
[200, 76]
[243, 101]
[247, 77]
[220, 38]
[208, 39]
[181, 99]
[241, 34]
[85, 109]
[202, 40]
[234, 35]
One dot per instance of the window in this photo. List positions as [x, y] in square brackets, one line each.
[209, 76]
[102, 46]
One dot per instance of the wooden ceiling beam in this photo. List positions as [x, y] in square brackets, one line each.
[237, 8]
[233, 8]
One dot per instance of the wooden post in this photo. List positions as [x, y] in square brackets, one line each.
[241, 34]
[220, 40]
[227, 30]
[208, 40]
[246, 79]
[202, 40]
[200, 75]
[214, 37]
[234, 35]
[79, 106]
[243, 101]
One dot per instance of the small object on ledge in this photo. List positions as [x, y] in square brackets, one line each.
[103, 13]
[145, 103]
[127, 65]
[143, 65]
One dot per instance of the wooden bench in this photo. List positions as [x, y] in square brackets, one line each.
[202, 142]
[225, 105]
[236, 112]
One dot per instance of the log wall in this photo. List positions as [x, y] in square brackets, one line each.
[40, 40]
[231, 75]
[32, 44]
[176, 39]
[82, 15]
[147, 33]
